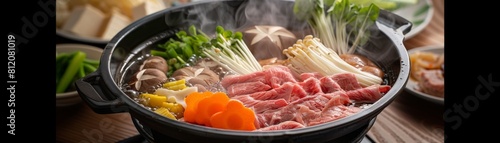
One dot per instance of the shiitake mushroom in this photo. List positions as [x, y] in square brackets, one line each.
[197, 76]
[265, 41]
[156, 62]
[147, 80]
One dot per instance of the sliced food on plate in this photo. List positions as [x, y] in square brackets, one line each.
[427, 71]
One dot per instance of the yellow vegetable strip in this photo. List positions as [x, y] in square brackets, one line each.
[179, 95]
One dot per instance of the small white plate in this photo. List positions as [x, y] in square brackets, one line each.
[420, 14]
[412, 84]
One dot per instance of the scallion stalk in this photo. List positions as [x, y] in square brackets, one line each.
[70, 72]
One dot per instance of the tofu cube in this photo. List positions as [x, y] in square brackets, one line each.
[114, 23]
[147, 7]
[84, 20]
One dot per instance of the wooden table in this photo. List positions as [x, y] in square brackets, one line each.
[407, 119]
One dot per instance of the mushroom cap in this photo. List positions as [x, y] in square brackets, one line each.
[147, 80]
[266, 41]
[156, 62]
[197, 75]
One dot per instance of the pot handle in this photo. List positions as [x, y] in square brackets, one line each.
[91, 92]
[399, 24]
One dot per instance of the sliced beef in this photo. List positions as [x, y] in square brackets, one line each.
[302, 110]
[311, 86]
[282, 102]
[346, 81]
[266, 105]
[250, 102]
[236, 79]
[274, 117]
[368, 94]
[308, 75]
[266, 100]
[283, 126]
[246, 88]
[328, 85]
[307, 114]
[274, 76]
[282, 92]
[316, 102]
[337, 98]
[297, 93]
[279, 75]
[333, 113]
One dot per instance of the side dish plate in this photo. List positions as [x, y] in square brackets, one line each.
[412, 84]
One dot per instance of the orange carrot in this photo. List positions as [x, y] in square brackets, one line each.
[236, 116]
[190, 113]
[209, 106]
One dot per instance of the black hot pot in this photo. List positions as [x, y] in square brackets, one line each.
[103, 90]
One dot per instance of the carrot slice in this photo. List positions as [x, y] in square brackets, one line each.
[192, 101]
[209, 106]
[236, 116]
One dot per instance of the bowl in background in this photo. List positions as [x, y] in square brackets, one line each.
[94, 53]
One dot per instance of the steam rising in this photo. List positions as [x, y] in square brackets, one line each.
[236, 15]
[264, 12]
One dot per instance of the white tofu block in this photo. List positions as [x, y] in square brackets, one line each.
[147, 7]
[115, 22]
[84, 20]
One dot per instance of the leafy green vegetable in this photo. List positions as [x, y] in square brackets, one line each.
[341, 25]
[184, 46]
